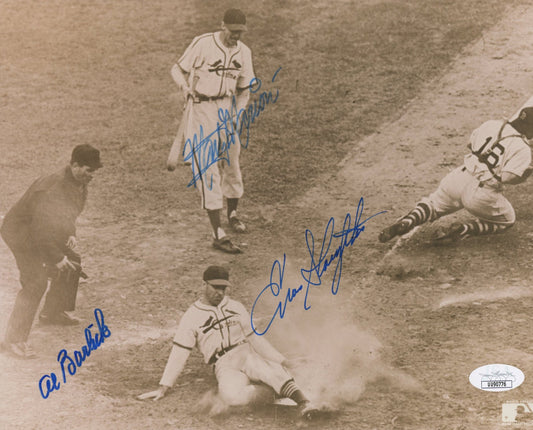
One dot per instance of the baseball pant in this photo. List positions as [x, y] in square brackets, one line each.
[459, 189]
[236, 370]
[215, 163]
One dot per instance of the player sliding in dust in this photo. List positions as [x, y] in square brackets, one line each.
[248, 369]
[499, 155]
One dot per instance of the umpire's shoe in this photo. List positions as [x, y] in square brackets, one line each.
[399, 228]
[61, 318]
[19, 350]
[224, 244]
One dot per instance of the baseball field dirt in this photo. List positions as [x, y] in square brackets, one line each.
[377, 100]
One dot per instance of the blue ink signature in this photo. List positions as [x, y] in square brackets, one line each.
[204, 151]
[313, 275]
[50, 381]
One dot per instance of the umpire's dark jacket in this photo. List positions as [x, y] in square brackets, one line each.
[44, 218]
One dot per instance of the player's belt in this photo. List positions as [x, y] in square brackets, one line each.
[464, 169]
[201, 98]
[224, 351]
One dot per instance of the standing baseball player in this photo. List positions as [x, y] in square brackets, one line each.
[499, 155]
[220, 328]
[40, 230]
[216, 69]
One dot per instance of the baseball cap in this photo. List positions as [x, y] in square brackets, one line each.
[216, 275]
[86, 155]
[235, 20]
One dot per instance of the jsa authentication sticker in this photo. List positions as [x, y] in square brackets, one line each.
[496, 377]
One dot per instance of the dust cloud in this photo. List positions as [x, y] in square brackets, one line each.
[336, 357]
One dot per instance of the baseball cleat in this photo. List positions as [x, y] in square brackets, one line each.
[309, 411]
[226, 245]
[451, 234]
[283, 401]
[237, 225]
[399, 228]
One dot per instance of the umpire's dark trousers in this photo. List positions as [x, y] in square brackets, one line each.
[34, 281]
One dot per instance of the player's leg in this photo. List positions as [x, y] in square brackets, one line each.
[205, 175]
[445, 200]
[232, 185]
[220, 240]
[203, 143]
[477, 227]
[494, 213]
[420, 214]
[234, 221]
[236, 389]
[274, 375]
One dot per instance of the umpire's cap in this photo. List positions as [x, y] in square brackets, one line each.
[235, 20]
[216, 275]
[86, 155]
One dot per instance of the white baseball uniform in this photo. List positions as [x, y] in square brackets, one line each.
[220, 333]
[216, 73]
[496, 147]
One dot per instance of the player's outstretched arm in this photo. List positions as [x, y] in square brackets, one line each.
[176, 362]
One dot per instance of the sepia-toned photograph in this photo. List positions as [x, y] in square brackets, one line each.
[266, 215]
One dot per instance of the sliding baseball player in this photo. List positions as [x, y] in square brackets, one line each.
[499, 155]
[220, 328]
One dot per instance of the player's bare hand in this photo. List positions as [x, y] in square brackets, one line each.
[188, 92]
[156, 394]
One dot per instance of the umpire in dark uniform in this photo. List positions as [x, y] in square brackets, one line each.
[40, 231]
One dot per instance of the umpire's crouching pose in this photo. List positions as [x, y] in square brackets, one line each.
[40, 231]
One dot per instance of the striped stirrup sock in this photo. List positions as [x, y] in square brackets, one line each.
[478, 227]
[419, 215]
[291, 390]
